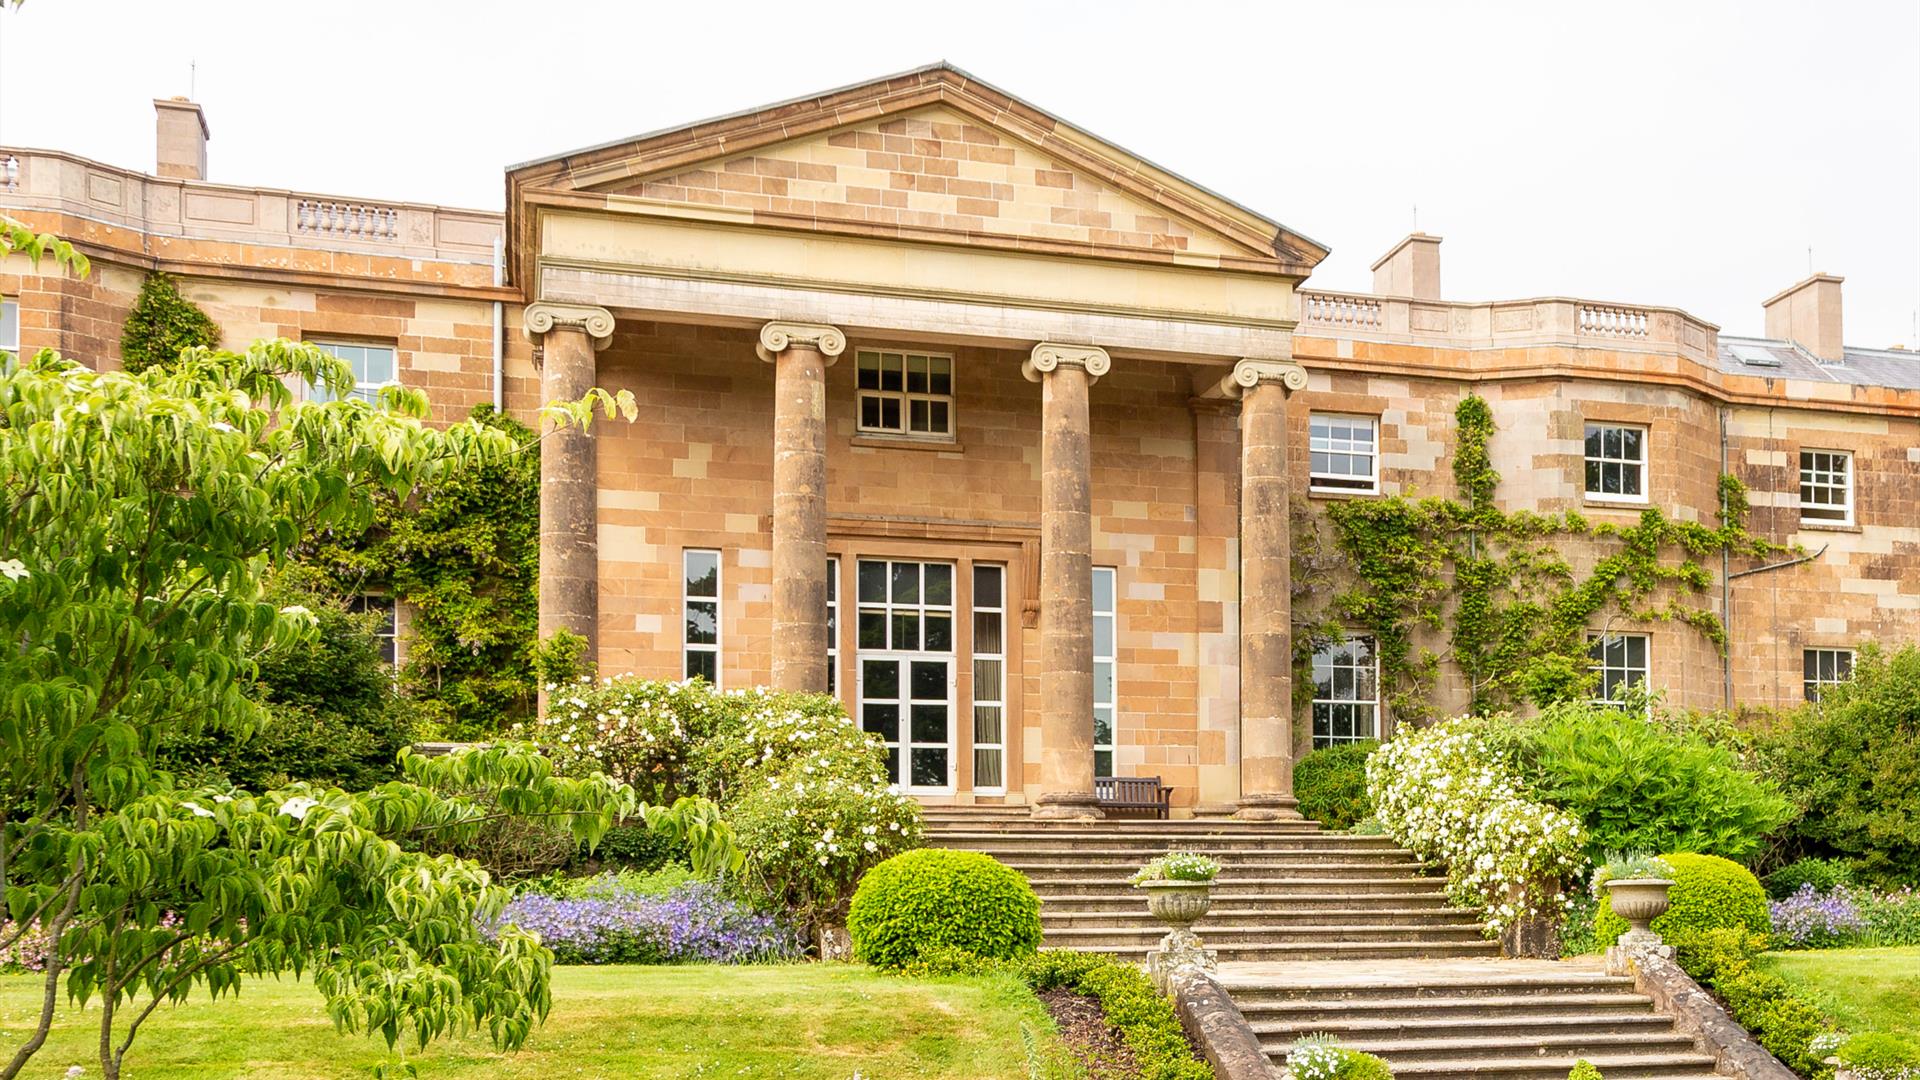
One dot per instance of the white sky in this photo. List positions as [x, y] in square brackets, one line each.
[1674, 153]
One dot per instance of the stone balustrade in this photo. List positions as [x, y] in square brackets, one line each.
[53, 182]
[1550, 320]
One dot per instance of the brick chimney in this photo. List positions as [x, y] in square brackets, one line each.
[1808, 314]
[1412, 268]
[180, 139]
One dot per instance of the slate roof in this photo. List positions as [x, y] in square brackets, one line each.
[1894, 368]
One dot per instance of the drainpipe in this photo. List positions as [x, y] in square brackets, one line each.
[1784, 565]
[499, 278]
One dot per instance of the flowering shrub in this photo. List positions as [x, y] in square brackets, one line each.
[812, 830]
[804, 790]
[1443, 793]
[1808, 920]
[695, 923]
[1177, 866]
[1321, 1057]
[27, 952]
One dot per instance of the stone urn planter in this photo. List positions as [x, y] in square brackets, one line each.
[1179, 904]
[1179, 888]
[1639, 901]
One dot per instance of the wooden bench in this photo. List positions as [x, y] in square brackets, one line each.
[1133, 794]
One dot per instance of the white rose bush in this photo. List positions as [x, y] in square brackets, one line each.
[1448, 797]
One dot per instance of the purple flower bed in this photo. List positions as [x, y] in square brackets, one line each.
[694, 924]
[1810, 920]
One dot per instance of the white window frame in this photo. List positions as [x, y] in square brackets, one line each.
[388, 634]
[1622, 462]
[904, 397]
[688, 598]
[1326, 443]
[13, 323]
[1323, 658]
[833, 626]
[993, 607]
[1811, 688]
[1828, 479]
[365, 389]
[1106, 685]
[903, 744]
[1626, 669]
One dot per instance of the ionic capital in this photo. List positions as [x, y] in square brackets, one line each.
[1048, 356]
[1248, 374]
[596, 322]
[778, 337]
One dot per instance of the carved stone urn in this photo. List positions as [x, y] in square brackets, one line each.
[1179, 904]
[1639, 901]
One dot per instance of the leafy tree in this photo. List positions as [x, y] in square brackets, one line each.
[140, 516]
[1850, 763]
[162, 325]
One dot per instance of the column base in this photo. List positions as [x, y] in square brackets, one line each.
[1268, 808]
[1067, 806]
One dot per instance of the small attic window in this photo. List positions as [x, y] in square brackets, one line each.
[1755, 356]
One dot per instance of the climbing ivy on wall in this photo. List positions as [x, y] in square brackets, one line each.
[1514, 608]
[161, 324]
[463, 556]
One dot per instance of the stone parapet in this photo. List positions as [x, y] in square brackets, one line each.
[1216, 1025]
[1553, 320]
[1696, 1014]
[52, 182]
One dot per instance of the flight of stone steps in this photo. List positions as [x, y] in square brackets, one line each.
[1521, 1020]
[1287, 891]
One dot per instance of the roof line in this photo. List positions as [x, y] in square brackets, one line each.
[937, 65]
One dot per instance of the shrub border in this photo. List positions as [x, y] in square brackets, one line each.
[1697, 1014]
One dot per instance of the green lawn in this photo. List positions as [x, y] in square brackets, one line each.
[1860, 989]
[822, 1021]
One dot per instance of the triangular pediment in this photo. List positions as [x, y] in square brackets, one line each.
[931, 155]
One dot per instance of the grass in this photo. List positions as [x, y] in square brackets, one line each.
[802, 1021]
[1859, 989]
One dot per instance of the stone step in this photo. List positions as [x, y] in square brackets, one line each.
[1308, 934]
[1055, 869]
[1401, 1052]
[1396, 1010]
[1504, 1028]
[1179, 829]
[1122, 841]
[1289, 886]
[1264, 915]
[1323, 950]
[1680, 1066]
[1129, 902]
[1302, 856]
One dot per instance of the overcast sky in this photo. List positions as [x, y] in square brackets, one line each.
[1685, 154]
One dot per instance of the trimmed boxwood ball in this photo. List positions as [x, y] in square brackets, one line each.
[1709, 893]
[920, 900]
[1331, 784]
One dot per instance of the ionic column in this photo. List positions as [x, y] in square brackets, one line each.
[1065, 372]
[1266, 602]
[800, 354]
[569, 335]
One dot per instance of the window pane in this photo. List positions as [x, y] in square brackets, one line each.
[1103, 636]
[1630, 439]
[906, 630]
[1630, 479]
[703, 573]
[906, 583]
[1102, 590]
[986, 768]
[1103, 682]
[929, 680]
[1102, 727]
[941, 422]
[939, 585]
[703, 622]
[930, 767]
[1103, 763]
[918, 416]
[986, 585]
[869, 412]
[890, 414]
[986, 680]
[929, 724]
[940, 381]
[881, 720]
[986, 632]
[880, 679]
[916, 374]
[9, 325]
[376, 365]
[703, 664]
[873, 582]
[939, 632]
[890, 372]
[1593, 441]
[873, 629]
[869, 371]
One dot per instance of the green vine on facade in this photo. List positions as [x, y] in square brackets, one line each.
[463, 558]
[162, 324]
[1501, 587]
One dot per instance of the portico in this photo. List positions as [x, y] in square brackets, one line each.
[1001, 533]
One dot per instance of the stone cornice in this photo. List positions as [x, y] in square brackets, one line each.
[1047, 356]
[777, 337]
[1248, 374]
[543, 317]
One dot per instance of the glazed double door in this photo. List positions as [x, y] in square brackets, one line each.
[905, 629]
